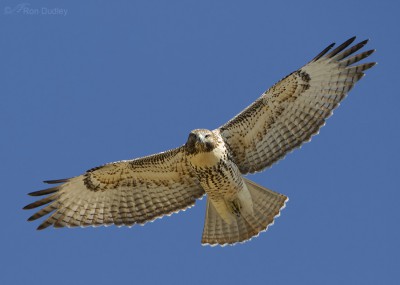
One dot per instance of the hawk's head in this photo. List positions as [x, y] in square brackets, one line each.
[201, 140]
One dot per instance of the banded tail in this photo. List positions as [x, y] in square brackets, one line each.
[267, 205]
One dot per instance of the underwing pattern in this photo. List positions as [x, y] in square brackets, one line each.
[137, 191]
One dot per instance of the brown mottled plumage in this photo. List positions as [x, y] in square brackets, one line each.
[213, 162]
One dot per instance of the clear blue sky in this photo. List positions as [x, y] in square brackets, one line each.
[111, 81]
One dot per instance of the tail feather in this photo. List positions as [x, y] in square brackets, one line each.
[266, 206]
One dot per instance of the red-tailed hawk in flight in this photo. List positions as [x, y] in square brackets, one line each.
[137, 191]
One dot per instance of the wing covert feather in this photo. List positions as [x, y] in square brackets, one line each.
[294, 109]
[121, 193]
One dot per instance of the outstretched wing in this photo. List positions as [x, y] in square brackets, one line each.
[121, 193]
[294, 109]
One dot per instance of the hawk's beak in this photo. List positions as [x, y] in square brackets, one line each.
[200, 138]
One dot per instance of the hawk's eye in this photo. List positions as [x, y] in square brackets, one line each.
[207, 136]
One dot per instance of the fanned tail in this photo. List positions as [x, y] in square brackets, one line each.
[266, 206]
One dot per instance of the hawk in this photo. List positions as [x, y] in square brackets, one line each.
[138, 191]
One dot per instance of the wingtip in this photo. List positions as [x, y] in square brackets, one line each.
[28, 207]
[323, 52]
[349, 41]
[56, 181]
[368, 65]
[31, 218]
[42, 226]
[44, 192]
[35, 193]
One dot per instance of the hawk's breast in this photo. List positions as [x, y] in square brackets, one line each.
[217, 174]
[210, 158]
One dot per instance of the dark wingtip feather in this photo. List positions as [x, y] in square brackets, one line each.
[369, 52]
[41, 202]
[368, 65]
[356, 47]
[44, 192]
[30, 206]
[372, 51]
[33, 218]
[43, 226]
[322, 53]
[56, 181]
[345, 60]
[363, 43]
[341, 47]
